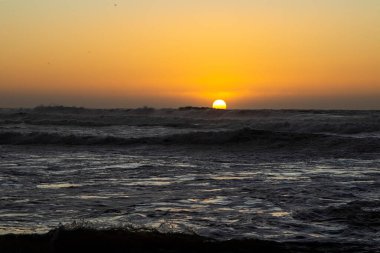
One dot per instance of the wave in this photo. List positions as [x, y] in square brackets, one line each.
[120, 240]
[103, 121]
[246, 136]
[307, 121]
[356, 213]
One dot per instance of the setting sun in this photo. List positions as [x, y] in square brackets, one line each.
[219, 104]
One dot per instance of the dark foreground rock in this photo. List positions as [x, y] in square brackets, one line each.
[86, 240]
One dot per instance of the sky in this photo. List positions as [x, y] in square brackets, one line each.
[308, 54]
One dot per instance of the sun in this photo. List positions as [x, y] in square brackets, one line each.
[219, 104]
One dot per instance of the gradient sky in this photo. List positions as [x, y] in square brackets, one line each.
[170, 53]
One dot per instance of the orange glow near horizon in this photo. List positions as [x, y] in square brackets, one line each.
[168, 53]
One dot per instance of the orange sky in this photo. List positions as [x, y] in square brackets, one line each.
[170, 53]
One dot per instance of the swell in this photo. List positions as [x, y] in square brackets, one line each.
[363, 214]
[313, 121]
[246, 136]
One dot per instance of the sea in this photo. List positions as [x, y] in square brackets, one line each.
[273, 175]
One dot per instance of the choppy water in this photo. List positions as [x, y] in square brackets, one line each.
[210, 193]
[223, 191]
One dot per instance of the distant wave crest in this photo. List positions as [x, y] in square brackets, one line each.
[306, 121]
[245, 136]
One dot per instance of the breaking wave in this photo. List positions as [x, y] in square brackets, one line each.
[245, 136]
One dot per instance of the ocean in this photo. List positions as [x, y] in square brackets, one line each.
[272, 175]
